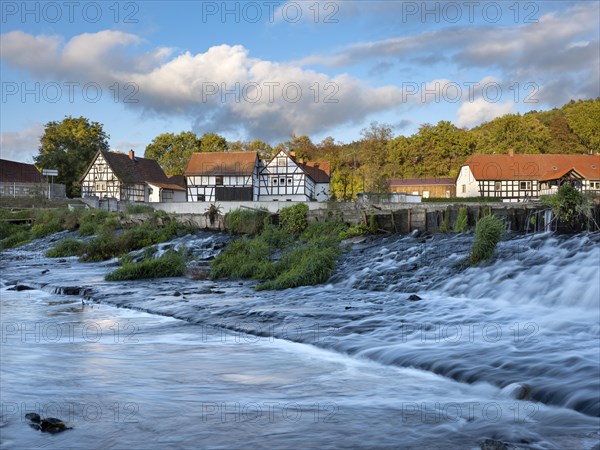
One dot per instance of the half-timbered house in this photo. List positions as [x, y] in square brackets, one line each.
[286, 179]
[520, 177]
[217, 176]
[129, 178]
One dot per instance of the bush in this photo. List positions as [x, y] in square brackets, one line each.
[66, 247]
[461, 221]
[170, 264]
[293, 218]
[329, 228]
[246, 221]
[243, 258]
[40, 230]
[90, 221]
[488, 232]
[569, 205]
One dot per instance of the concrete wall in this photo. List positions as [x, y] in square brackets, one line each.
[202, 207]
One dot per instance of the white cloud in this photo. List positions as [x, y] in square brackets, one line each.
[21, 145]
[480, 110]
[223, 88]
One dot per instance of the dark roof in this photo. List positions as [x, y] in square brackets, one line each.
[422, 182]
[318, 171]
[136, 170]
[174, 182]
[16, 172]
[533, 167]
[222, 163]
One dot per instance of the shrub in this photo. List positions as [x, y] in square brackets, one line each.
[330, 228]
[243, 258]
[7, 228]
[461, 221]
[40, 230]
[569, 205]
[293, 218]
[246, 221]
[66, 247]
[90, 221]
[488, 232]
[170, 264]
[355, 230]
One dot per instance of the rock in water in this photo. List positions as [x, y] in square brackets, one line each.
[491, 444]
[52, 425]
[414, 298]
[517, 391]
[34, 417]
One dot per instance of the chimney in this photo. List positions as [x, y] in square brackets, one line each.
[511, 152]
[132, 155]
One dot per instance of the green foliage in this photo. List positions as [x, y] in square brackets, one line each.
[14, 240]
[462, 221]
[7, 228]
[213, 212]
[488, 232]
[246, 221]
[66, 247]
[173, 151]
[354, 231]
[293, 218]
[40, 230]
[170, 264]
[307, 260]
[90, 221]
[69, 146]
[136, 208]
[569, 205]
[212, 142]
[306, 266]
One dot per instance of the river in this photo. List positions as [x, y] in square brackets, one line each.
[506, 351]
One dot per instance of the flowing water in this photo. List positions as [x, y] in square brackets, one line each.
[506, 351]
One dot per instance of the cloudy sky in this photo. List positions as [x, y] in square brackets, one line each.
[265, 70]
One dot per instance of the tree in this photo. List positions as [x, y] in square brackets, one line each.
[69, 147]
[584, 119]
[523, 134]
[173, 151]
[302, 147]
[373, 155]
[212, 142]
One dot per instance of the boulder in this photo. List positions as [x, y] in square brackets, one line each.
[492, 444]
[414, 298]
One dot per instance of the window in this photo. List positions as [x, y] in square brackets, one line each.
[425, 194]
[464, 188]
[525, 185]
[200, 197]
[290, 180]
[274, 181]
[497, 185]
[282, 181]
[100, 186]
[595, 185]
[281, 162]
[219, 180]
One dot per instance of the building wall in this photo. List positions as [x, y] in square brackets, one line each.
[427, 191]
[283, 180]
[466, 184]
[32, 189]
[512, 190]
[202, 188]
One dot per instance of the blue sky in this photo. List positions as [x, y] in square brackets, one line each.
[265, 70]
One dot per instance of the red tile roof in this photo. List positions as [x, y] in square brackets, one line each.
[533, 167]
[422, 182]
[222, 163]
[318, 171]
[16, 172]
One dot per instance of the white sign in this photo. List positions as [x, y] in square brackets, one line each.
[50, 173]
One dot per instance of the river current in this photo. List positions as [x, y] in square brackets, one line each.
[404, 347]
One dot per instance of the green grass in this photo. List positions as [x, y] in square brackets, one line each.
[66, 247]
[293, 218]
[139, 209]
[20, 237]
[246, 221]
[170, 264]
[307, 259]
[462, 221]
[488, 232]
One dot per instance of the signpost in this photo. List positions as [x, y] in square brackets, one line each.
[50, 173]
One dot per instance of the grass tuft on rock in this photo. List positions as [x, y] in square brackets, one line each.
[66, 247]
[488, 232]
[169, 264]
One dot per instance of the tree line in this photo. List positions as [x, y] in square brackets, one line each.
[364, 165]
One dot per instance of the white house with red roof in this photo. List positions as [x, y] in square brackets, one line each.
[519, 177]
